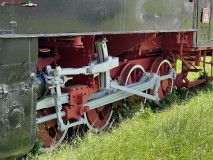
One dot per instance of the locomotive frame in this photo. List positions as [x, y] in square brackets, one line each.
[57, 76]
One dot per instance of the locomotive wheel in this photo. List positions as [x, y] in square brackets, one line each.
[98, 119]
[132, 73]
[161, 67]
[48, 131]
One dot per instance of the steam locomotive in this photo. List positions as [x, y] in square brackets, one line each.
[64, 63]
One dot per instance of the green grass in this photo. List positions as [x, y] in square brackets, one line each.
[180, 127]
[182, 132]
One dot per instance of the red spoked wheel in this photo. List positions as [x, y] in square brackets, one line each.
[132, 73]
[98, 119]
[48, 132]
[162, 67]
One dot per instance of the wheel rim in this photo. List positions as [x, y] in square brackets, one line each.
[48, 131]
[161, 67]
[98, 119]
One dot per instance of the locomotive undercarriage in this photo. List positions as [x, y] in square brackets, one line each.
[81, 79]
[145, 66]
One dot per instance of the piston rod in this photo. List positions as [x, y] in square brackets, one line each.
[49, 117]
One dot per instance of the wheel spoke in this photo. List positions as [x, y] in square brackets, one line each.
[160, 93]
[133, 76]
[130, 80]
[162, 70]
[139, 75]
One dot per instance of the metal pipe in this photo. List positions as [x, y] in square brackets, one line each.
[49, 101]
[49, 117]
[134, 91]
[79, 122]
[204, 62]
